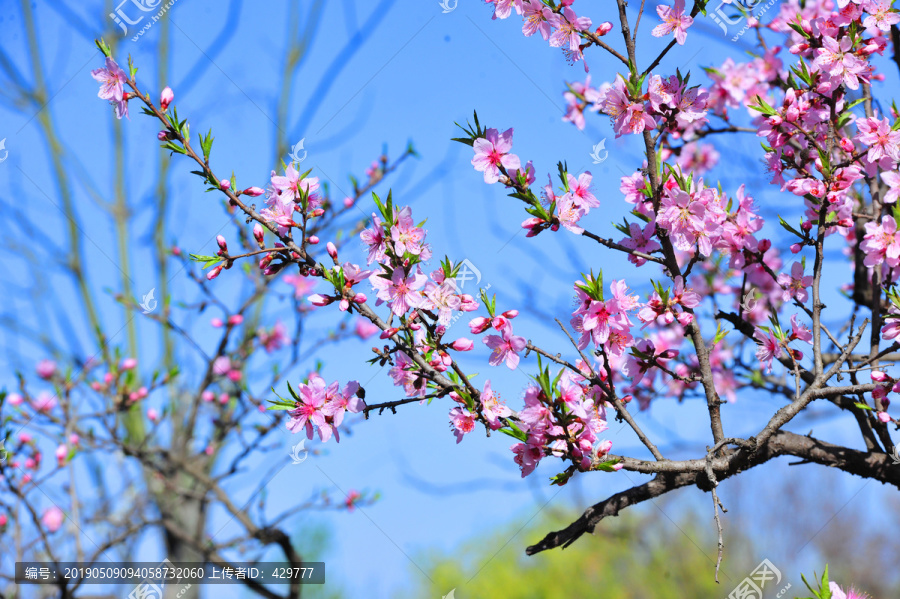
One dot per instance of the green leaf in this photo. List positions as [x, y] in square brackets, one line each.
[607, 466]
[104, 47]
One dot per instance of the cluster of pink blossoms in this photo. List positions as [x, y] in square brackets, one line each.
[568, 422]
[561, 28]
[321, 406]
[668, 102]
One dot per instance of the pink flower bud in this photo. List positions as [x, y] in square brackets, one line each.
[61, 452]
[235, 375]
[253, 191]
[74, 439]
[108, 378]
[25, 438]
[235, 319]
[317, 299]
[317, 212]
[176, 251]
[510, 314]
[795, 248]
[223, 245]
[152, 415]
[388, 333]
[163, 136]
[259, 234]
[765, 245]
[463, 344]
[128, 364]
[15, 399]
[806, 225]
[884, 417]
[214, 273]
[223, 398]
[500, 322]
[348, 202]
[45, 369]
[313, 240]
[207, 396]
[216, 322]
[479, 325]
[360, 298]
[604, 447]
[166, 97]
[225, 184]
[846, 145]
[668, 354]
[685, 318]
[604, 28]
[3, 520]
[332, 251]
[878, 376]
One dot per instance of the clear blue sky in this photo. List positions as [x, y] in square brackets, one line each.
[411, 74]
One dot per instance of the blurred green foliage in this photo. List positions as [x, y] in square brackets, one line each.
[631, 557]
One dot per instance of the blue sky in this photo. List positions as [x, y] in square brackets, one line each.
[381, 73]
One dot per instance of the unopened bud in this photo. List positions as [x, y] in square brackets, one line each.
[253, 191]
[225, 184]
[604, 28]
[511, 314]
[360, 298]
[223, 245]
[313, 240]
[463, 344]
[332, 251]
[846, 144]
[214, 273]
[166, 97]
[317, 299]
[765, 245]
[479, 325]
[259, 234]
